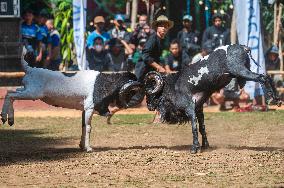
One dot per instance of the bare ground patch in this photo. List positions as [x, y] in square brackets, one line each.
[247, 150]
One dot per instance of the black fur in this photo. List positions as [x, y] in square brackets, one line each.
[106, 90]
[68, 74]
[181, 100]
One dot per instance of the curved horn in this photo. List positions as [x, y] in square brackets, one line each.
[131, 94]
[153, 82]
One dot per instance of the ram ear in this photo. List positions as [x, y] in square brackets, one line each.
[153, 82]
[247, 49]
[131, 94]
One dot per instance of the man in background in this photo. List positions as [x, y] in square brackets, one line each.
[99, 24]
[174, 61]
[188, 39]
[53, 59]
[216, 33]
[31, 39]
[153, 48]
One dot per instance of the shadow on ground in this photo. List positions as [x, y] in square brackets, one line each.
[268, 149]
[18, 146]
[32, 145]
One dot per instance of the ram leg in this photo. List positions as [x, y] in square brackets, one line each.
[86, 130]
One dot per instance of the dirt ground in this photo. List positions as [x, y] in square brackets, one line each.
[247, 150]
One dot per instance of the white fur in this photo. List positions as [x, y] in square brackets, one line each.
[54, 88]
[195, 79]
[204, 58]
[223, 48]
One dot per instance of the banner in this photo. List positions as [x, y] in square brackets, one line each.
[249, 34]
[79, 25]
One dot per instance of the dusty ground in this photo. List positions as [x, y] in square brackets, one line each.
[247, 150]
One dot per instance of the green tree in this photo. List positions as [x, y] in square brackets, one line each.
[63, 22]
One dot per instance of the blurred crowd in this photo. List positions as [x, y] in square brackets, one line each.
[140, 50]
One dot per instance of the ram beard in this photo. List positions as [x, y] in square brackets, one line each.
[170, 113]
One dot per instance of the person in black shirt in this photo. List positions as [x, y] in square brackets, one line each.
[174, 61]
[153, 48]
[218, 34]
[188, 39]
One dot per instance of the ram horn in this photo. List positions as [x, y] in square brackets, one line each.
[153, 82]
[131, 94]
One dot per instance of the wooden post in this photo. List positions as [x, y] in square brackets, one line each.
[278, 22]
[274, 21]
[277, 35]
[233, 28]
[127, 10]
[134, 13]
[280, 55]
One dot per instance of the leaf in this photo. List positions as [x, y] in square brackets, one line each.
[63, 39]
[68, 54]
[65, 53]
[64, 24]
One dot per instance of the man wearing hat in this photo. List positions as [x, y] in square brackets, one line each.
[188, 39]
[99, 24]
[153, 48]
[218, 34]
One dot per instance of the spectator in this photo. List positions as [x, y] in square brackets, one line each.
[98, 58]
[53, 59]
[137, 56]
[142, 20]
[46, 40]
[31, 38]
[217, 34]
[153, 47]
[206, 50]
[142, 30]
[99, 24]
[119, 51]
[230, 93]
[119, 29]
[174, 61]
[188, 39]
[272, 61]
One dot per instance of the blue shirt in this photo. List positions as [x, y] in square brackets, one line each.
[55, 38]
[45, 34]
[93, 35]
[31, 34]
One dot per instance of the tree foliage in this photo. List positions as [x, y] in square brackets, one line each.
[62, 12]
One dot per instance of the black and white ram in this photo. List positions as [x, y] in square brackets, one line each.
[88, 91]
[180, 97]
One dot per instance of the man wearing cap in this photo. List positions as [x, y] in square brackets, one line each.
[119, 29]
[272, 61]
[119, 51]
[153, 48]
[99, 24]
[188, 39]
[218, 34]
